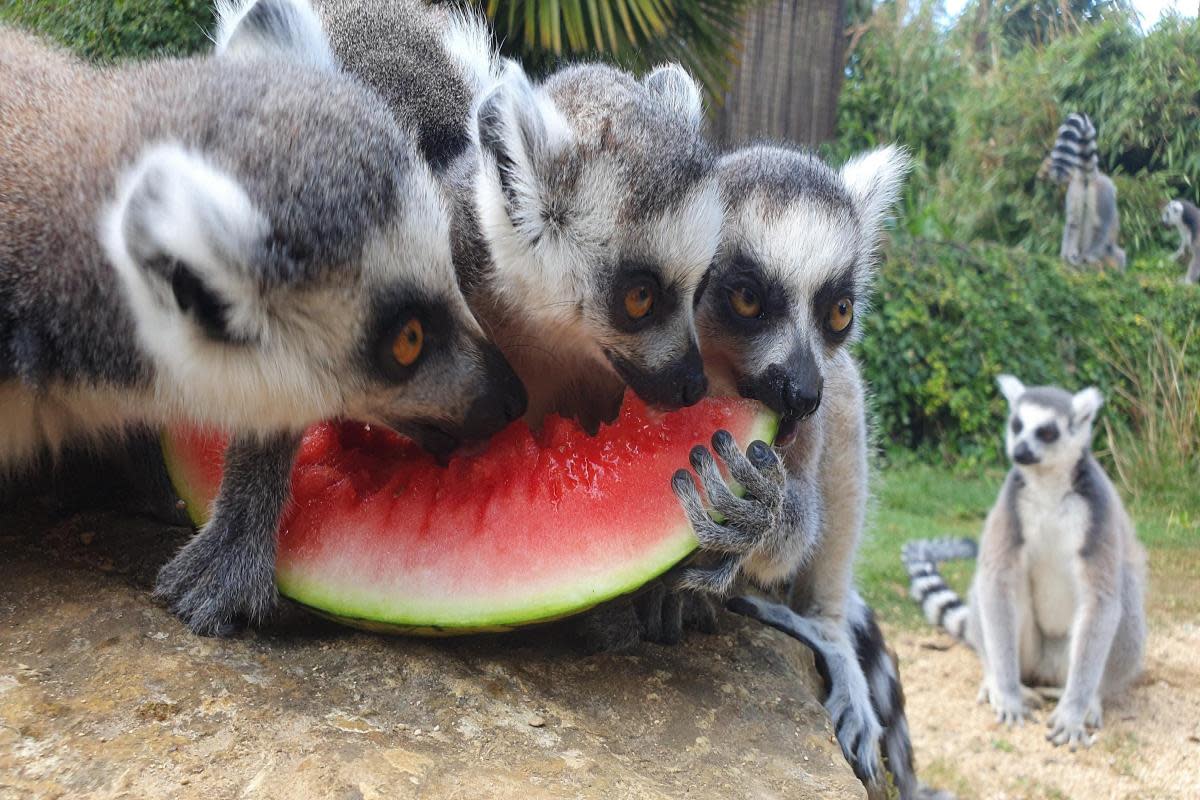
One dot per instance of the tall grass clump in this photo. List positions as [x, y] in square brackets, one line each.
[1154, 447]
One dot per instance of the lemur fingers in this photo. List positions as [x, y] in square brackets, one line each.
[1069, 726]
[712, 535]
[748, 516]
[759, 470]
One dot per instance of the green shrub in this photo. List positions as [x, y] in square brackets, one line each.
[949, 317]
[108, 30]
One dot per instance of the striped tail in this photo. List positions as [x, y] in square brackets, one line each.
[1074, 148]
[941, 605]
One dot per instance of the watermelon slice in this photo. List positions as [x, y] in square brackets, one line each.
[533, 528]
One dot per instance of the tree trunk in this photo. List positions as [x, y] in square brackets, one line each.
[787, 81]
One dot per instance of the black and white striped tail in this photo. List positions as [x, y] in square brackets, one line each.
[940, 604]
[1074, 147]
[887, 697]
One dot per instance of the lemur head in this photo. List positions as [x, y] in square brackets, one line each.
[1048, 428]
[1172, 214]
[598, 197]
[1074, 150]
[798, 249]
[297, 265]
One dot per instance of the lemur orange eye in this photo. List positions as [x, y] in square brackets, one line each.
[406, 347]
[841, 314]
[745, 302]
[639, 301]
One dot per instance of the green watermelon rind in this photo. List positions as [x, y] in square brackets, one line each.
[443, 620]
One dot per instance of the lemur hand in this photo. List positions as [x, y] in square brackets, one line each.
[1068, 725]
[1011, 709]
[220, 581]
[745, 522]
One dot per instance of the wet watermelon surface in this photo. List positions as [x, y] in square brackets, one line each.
[532, 527]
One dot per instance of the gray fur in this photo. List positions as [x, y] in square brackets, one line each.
[1057, 599]
[1185, 218]
[208, 241]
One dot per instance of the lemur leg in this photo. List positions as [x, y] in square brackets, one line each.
[225, 575]
[1092, 634]
[1001, 656]
[1193, 273]
[855, 723]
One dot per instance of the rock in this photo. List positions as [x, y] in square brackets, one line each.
[103, 693]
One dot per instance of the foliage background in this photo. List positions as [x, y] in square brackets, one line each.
[970, 285]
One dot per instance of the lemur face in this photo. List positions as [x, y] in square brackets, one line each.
[781, 298]
[276, 283]
[1172, 213]
[1048, 428]
[598, 197]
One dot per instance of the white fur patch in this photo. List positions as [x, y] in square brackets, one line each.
[304, 39]
[469, 43]
[875, 179]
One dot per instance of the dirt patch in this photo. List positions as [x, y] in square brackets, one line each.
[1149, 746]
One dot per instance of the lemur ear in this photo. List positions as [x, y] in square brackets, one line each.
[288, 29]
[672, 85]
[875, 179]
[1011, 388]
[522, 132]
[1085, 404]
[184, 238]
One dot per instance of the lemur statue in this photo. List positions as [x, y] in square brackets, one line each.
[585, 207]
[294, 267]
[1057, 600]
[1092, 222]
[1185, 218]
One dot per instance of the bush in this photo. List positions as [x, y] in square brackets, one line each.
[950, 317]
[108, 30]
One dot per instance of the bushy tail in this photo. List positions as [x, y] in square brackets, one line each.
[941, 605]
[882, 671]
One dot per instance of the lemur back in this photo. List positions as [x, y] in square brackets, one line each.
[1057, 599]
[1092, 223]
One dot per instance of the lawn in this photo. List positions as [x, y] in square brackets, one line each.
[913, 501]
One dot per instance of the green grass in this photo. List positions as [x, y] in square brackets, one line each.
[915, 501]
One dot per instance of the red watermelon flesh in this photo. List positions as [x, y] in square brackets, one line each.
[534, 527]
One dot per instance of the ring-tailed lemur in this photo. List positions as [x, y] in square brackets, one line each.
[1057, 599]
[776, 315]
[209, 241]
[1185, 217]
[586, 207]
[1092, 221]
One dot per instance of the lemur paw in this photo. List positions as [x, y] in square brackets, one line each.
[858, 733]
[1068, 725]
[216, 585]
[1011, 709]
[744, 522]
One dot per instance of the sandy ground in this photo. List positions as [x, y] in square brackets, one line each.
[1149, 746]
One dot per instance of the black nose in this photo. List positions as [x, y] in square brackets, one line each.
[1023, 455]
[693, 389]
[801, 400]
